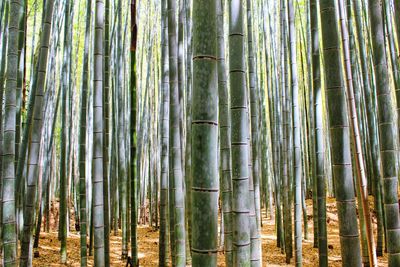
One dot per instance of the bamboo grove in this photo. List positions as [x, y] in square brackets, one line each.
[203, 120]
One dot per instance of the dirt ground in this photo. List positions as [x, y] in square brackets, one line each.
[148, 246]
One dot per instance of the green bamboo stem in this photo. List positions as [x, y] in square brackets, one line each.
[359, 159]
[98, 189]
[63, 161]
[82, 141]
[255, 247]
[35, 140]
[340, 139]
[179, 247]
[204, 172]
[239, 135]
[106, 134]
[296, 135]
[20, 77]
[387, 134]
[372, 122]
[4, 38]
[133, 177]
[225, 138]
[163, 237]
[9, 238]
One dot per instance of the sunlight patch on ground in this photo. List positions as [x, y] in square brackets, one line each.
[49, 245]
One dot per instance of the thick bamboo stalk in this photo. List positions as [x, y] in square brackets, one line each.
[63, 161]
[387, 134]
[204, 141]
[296, 135]
[359, 159]
[98, 190]
[163, 237]
[340, 138]
[239, 135]
[372, 122]
[133, 177]
[179, 258]
[82, 141]
[254, 190]
[36, 136]
[9, 227]
[4, 39]
[106, 134]
[225, 138]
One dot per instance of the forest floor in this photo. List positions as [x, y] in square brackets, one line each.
[148, 245]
